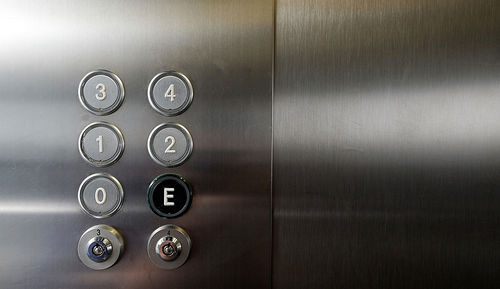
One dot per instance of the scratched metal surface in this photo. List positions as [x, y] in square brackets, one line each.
[225, 48]
[387, 144]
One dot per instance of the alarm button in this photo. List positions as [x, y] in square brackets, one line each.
[169, 195]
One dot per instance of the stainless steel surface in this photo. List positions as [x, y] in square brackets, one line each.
[386, 144]
[226, 48]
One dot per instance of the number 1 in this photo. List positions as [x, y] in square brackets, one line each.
[99, 141]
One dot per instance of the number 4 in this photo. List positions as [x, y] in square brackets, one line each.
[170, 92]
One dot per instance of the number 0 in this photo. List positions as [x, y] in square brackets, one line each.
[103, 193]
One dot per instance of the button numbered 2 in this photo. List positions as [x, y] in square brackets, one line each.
[101, 144]
[170, 144]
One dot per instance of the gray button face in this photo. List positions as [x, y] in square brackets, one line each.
[101, 92]
[170, 93]
[101, 144]
[170, 144]
[100, 195]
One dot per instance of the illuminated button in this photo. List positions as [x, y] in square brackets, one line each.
[169, 195]
[100, 195]
[101, 92]
[170, 93]
[101, 144]
[170, 144]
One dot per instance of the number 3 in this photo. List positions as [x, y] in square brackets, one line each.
[101, 95]
[169, 148]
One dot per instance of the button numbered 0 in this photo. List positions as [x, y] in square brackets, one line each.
[170, 93]
[169, 195]
[101, 144]
[170, 144]
[100, 195]
[101, 92]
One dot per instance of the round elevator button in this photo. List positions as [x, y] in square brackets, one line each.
[170, 93]
[169, 195]
[170, 144]
[101, 92]
[100, 195]
[169, 247]
[101, 144]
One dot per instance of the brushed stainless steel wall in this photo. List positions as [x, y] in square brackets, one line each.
[225, 48]
[387, 144]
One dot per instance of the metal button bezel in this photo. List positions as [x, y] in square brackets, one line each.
[118, 153]
[157, 181]
[116, 104]
[106, 232]
[184, 106]
[169, 231]
[90, 178]
[184, 131]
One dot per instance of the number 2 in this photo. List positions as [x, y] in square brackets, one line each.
[101, 95]
[169, 148]
[170, 92]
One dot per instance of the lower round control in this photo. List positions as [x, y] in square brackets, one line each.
[100, 247]
[169, 247]
[169, 196]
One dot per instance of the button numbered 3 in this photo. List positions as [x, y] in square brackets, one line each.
[101, 92]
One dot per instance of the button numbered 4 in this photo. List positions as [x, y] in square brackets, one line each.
[170, 93]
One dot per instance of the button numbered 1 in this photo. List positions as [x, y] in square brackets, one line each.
[170, 144]
[100, 195]
[170, 93]
[101, 92]
[101, 144]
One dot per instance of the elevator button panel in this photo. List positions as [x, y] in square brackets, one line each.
[100, 247]
[170, 144]
[100, 195]
[101, 92]
[169, 247]
[170, 93]
[101, 144]
[169, 195]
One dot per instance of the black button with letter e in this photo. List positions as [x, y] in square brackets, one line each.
[169, 195]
